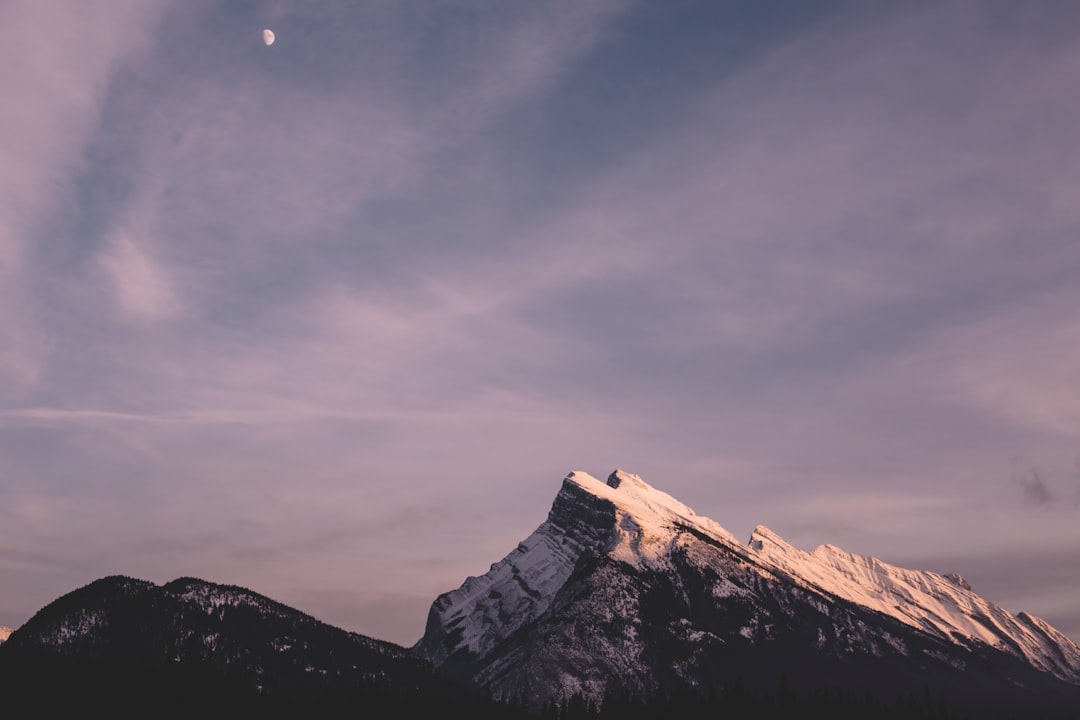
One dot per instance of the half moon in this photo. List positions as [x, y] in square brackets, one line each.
[268, 37]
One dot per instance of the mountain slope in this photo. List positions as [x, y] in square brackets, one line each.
[624, 589]
[120, 644]
[190, 619]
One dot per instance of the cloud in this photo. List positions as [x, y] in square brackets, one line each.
[516, 54]
[457, 249]
[58, 59]
[142, 289]
[243, 188]
[1014, 364]
[751, 263]
[1030, 481]
[1076, 483]
[1045, 488]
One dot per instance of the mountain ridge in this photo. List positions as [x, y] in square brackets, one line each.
[622, 592]
[631, 558]
[189, 619]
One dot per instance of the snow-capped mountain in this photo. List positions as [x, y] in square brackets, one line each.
[5, 633]
[623, 589]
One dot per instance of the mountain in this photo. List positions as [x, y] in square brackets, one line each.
[123, 645]
[625, 591]
[5, 633]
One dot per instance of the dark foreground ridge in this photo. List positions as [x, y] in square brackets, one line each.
[193, 649]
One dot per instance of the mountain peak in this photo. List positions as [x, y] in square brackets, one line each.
[620, 540]
[618, 477]
[646, 520]
[958, 579]
[764, 540]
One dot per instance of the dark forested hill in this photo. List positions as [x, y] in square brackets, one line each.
[190, 648]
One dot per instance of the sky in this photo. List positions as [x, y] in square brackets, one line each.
[331, 319]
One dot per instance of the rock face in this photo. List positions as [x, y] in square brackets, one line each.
[5, 633]
[625, 590]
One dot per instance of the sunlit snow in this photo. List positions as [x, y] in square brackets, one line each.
[646, 526]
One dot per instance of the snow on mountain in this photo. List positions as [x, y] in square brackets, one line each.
[646, 518]
[559, 607]
[519, 588]
[5, 633]
[940, 605]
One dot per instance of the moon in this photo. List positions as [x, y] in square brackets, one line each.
[268, 36]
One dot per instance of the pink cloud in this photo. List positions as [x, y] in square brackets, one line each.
[57, 58]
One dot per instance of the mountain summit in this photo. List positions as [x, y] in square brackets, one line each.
[625, 590]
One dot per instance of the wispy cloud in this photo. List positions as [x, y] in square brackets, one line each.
[142, 289]
[58, 59]
[1027, 476]
[831, 260]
